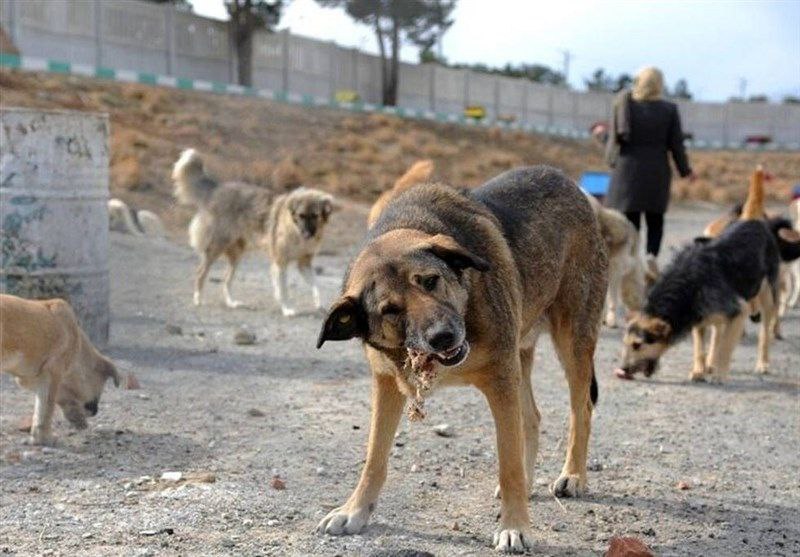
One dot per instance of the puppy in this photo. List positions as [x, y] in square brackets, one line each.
[709, 283]
[121, 218]
[47, 352]
[454, 287]
[419, 172]
[233, 217]
[627, 276]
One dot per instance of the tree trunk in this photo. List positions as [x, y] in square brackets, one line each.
[244, 56]
[390, 91]
[384, 61]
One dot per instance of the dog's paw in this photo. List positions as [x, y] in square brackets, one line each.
[698, 376]
[513, 540]
[40, 440]
[344, 521]
[233, 304]
[196, 299]
[570, 485]
[762, 367]
[288, 312]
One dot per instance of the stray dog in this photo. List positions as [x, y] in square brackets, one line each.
[419, 172]
[43, 346]
[459, 284]
[792, 292]
[784, 233]
[627, 277]
[709, 283]
[121, 218]
[233, 217]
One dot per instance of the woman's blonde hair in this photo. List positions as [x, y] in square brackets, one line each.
[648, 84]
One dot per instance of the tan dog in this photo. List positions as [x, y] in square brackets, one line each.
[627, 277]
[454, 288]
[43, 346]
[419, 173]
[234, 217]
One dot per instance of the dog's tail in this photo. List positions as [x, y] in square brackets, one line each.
[122, 218]
[753, 208]
[192, 185]
[419, 172]
[594, 391]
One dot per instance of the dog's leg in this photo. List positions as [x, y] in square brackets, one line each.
[200, 277]
[504, 397]
[576, 358]
[278, 273]
[699, 361]
[530, 417]
[713, 356]
[613, 296]
[43, 410]
[307, 271]
[387, 407]
[731, 337]
[768, 317]
[794, 273]
[234, 255]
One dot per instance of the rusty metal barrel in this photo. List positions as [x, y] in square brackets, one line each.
[54, 211]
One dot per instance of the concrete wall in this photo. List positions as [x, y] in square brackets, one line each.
[132, 35]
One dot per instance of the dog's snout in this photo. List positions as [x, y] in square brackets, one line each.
[442, 340]
[91, 407]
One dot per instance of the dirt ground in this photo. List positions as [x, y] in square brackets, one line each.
[248, 413]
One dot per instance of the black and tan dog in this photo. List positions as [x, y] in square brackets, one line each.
[466, 281]
[712, 282]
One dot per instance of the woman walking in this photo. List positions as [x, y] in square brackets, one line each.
[644, 129]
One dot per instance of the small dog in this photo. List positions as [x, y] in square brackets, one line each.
[43, 346]
[418, 173]
[627, 274]
[233, 217]
[121, 218]
[709, 283]
[453, 287]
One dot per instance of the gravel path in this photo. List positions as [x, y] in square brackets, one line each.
[280, 408]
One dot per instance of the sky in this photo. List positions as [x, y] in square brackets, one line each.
[713, 44]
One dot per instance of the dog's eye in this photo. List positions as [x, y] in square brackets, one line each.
[429, 283]
[636, 345]
[390, 310]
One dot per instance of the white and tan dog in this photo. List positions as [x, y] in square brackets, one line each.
[627, 277]
[47, 352]
[233, 217]
[121, 218]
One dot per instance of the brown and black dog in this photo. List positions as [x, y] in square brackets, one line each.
[467, 281]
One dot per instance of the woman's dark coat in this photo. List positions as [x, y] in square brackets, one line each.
[641, 177]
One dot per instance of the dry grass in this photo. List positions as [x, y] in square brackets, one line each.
[357, 156]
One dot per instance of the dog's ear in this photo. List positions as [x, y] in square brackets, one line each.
[659, 329]
[344, 321]
[454, 254]
[328, 206]
[108, 370]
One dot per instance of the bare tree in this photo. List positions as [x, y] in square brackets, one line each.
[420, 22]
[246, 16]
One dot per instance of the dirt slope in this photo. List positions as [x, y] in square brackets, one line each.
[357, 156]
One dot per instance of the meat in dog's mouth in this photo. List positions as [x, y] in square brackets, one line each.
[454, 356]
